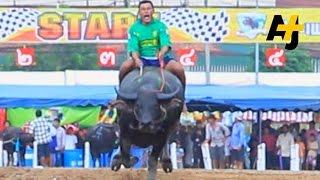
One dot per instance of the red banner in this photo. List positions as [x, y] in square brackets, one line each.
[25, 57]
[106, 57]
[275, 57]
[187, 56]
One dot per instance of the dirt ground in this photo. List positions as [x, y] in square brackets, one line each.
[129, 174]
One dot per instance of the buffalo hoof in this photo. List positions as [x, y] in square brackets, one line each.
[116, 163]
[130, 163]
[167, 165]
[127, 163]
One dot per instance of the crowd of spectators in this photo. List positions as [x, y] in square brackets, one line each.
[232, 144]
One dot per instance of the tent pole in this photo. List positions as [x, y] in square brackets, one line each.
[260, 126]
[208, 64]
[257, 64]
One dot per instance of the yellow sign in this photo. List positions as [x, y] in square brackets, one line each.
[189, 25]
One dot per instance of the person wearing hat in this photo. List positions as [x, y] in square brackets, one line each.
[237, 142]
[216, 134]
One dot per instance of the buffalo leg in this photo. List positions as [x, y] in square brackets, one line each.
[165, 156]
[123, 157]
[165, 159]
[153, 162]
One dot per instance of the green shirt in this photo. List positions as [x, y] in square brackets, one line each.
[148, 39]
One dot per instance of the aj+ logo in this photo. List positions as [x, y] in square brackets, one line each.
[288, 31]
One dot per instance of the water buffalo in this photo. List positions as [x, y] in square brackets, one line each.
[102, 138]
[148, 116]
[10, 136]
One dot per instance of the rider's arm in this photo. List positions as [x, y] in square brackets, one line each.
[133, 42]
[133, 46]
[165, 42]
[163, 51]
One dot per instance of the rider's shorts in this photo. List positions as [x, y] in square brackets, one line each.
[154, 61]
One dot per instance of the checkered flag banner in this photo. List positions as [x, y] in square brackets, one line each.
[14, 19]
[204, 27]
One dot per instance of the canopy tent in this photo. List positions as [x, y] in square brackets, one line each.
[51, 96]
[258, 97]
[243, 97]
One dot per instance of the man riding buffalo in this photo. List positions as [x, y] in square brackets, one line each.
[149, 101]
[149, 44]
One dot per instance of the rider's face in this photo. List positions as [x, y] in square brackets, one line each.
[146, 12]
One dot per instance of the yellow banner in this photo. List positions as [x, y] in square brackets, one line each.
[191, 25]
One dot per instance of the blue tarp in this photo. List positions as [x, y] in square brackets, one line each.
[258, 97]
[52, 96]
[244, 97]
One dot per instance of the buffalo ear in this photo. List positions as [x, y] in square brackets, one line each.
[119, 104]
[176, 103]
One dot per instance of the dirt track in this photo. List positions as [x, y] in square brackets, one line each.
[190, 174]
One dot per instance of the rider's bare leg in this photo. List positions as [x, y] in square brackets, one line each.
[177, 69]
[125, 68]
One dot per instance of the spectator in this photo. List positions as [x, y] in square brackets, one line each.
[227, 154]
[294, 130]
[216, 133]
[284, 142]
[311, 130]
[318, 154]
[267, 124]
[61, 140]
[41, 130]
[8, 142]
[238, 142]
[109, 116]
[187, 146]
[303, 135]
[253, 145]
[53, 142]
[270, 141]
[52, 146]
[178, 138]
[302, 152]
[71, 139]
[312, 148]
[197, 138]
[81, 136]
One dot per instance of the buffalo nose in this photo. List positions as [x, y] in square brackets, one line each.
[144, 125]
[140, 126]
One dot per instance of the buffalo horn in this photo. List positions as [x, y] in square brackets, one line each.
[128, 96]
[166, 96]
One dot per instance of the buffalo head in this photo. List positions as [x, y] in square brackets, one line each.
[148, 110]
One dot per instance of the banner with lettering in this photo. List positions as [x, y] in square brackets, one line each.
[213, 25]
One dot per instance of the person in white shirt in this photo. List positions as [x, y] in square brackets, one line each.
[216, 134]
[284, 142]
[71, 140]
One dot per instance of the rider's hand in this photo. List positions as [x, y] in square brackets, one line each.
[160, 57]
[138, 63]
